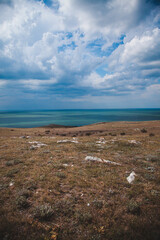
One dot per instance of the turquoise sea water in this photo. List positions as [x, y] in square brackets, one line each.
[27, 119]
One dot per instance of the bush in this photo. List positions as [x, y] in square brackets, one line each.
[153, 158]
[17, 161]
[58, 166]
[96, 236]
[84, 217]
[9, 163]
[155, 192]
[12, 172]
[98, 204]
[13, 162]
[149, 177]
[25, 193]
[88, 133]
[22, 202]
[74, 135]
[60, 175]
[64, 207]
[122, 133]
[43, 212]
[32, 186]
[133, 207]
[47, 131]
[151, 134]
[143, 130]
[112, 134]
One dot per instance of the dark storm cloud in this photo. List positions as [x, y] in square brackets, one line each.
[7, 2]
[155, 2]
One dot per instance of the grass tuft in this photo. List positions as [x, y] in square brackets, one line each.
[133, 207]
[22, 202]
[43, 212]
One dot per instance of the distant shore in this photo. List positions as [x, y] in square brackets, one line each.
[54, 126]
[98, 123]
[103, 128]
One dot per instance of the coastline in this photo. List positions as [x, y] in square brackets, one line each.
[102, 128]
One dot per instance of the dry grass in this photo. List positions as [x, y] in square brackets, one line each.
[51, 192]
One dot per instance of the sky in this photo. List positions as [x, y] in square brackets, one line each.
[69, 54]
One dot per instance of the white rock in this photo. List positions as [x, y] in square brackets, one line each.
[62, 141]
[96, 159]
[134, 142]
[110, 191]
[131, 177]
[37, 144]
[33, 147]
[101, 141]
[34, 142]
[90, 158]
[41, 144]
[11, 184]
[65, 165]
[114, 163]
[67, 140]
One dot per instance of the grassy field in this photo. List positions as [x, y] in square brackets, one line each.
[50, 191]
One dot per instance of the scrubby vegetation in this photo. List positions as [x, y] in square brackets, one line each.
[52, 192]
[43, 212]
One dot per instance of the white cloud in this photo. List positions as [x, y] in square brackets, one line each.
[36, 84]
[31, 38]
[139, 58]
[133, 65]
[3, 83]
[42, 46]
[105, 18]
[141, 47]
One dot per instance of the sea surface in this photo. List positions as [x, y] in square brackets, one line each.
[27, 119]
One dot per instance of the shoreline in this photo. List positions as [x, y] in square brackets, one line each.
[99, 129]
[54, 126]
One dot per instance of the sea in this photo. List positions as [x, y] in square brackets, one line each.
[28, 119]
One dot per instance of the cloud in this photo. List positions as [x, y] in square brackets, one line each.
[142, 48]
[2, 83]
[35, 45]
[105, 18]
[8, 2]
[37, 84]
[134, 65]
[80, 48]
